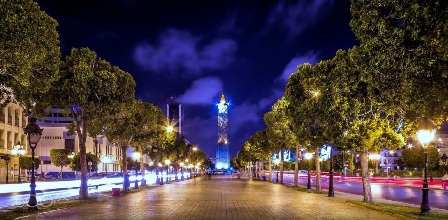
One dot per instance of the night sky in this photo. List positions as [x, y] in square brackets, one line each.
[194, 50]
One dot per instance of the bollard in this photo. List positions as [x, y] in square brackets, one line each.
[115, 191]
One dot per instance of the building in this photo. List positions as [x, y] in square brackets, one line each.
[389, 160]
[442, 140]
[56, 135]
[174, 113]
[12, 122]
[222, 150]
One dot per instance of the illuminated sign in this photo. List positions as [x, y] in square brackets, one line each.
[325, 152]
[287, 157]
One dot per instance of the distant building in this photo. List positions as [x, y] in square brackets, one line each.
[174, 113]
[222, 150]
[389, 160]
[12, 122]
[442, 140]
[56, 135]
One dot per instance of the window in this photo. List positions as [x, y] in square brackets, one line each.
[10, 116]
[17, 118]
[70, 145]
[24, 119]
[2, 115]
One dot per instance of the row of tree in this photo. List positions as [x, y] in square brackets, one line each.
[369, 97]
[100, 96]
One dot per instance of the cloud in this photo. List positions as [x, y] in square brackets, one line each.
[295, 18]
[296, 62]
[242, 114]
[203, 91]
[291, 66]
[180, 53]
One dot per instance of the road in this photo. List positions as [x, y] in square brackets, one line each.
[437, 198]
[219, 198]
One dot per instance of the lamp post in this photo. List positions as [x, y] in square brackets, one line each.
[136, 156]
[181, 164]
[19, 151]
[330, 183]
[34, 133]
[425, 137]
[167, 163]
[159, 165]
[308, 156]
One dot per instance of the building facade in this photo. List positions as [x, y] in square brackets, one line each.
[12, 122]
[56, 135]
[389, 160]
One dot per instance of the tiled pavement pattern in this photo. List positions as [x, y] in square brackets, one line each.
[219, 198]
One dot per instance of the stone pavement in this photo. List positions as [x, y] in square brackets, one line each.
[219, 198]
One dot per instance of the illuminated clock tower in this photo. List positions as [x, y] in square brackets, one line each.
[222, 150]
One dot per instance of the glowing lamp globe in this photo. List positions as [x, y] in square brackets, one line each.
[167, 162]
[308, 156]
[169, 129]
[374, 156]
[425, 136]
[136, 155]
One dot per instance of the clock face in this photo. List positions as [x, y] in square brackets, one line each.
[325, 152]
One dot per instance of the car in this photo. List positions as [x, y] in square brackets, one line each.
[52, 175]
[68, 175]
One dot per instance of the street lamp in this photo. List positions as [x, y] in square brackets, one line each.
[136, 156]
[19, 151]
[34, 133]
[195, 148]
[425, 136]
[308, 156]
[159, 165]
[71, 155]
[169, 129]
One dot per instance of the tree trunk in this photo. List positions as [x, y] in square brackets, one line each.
[142, 168]
[82, 135]
[270, 167]
[317, 160]
[124, 160]
[296, 167]
[281, 166]
[367, 193]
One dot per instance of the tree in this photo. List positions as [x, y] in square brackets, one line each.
[90, 159]
[406, 42]
[93, 89]
[414, 157]
[311, 111]
[59, 157]
[27, 164]
[278, 130]
[402, 59]
[29, 52]
[135, 123]
[150, 128]
[257, 147]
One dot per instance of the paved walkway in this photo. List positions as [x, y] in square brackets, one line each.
[220, 198]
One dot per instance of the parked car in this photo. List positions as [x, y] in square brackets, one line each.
[68, 175]
[52, 175]
[57, 175]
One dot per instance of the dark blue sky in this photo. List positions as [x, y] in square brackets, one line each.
[193, 50]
